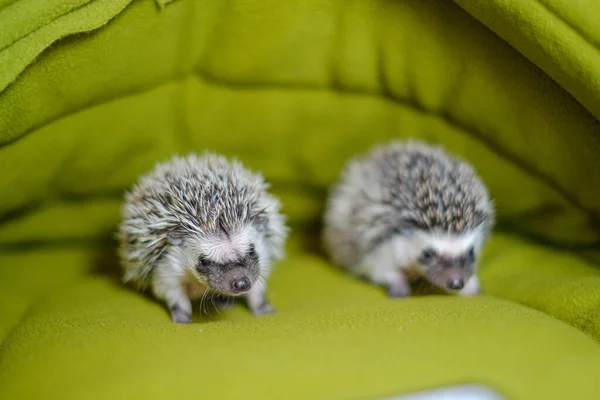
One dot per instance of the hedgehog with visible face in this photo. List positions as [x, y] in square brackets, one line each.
[201, 224]
[406, 210]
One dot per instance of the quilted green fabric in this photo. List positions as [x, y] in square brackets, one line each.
[93, 92]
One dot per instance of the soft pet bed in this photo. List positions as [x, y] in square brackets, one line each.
[94, 92]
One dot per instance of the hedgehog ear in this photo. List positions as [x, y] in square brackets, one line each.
[175, 237]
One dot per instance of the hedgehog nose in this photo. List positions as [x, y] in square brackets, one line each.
[240, 285]
[456, 284]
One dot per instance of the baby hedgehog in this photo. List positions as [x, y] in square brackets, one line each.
[409, 210]
[201, 224]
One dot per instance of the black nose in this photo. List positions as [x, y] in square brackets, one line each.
[240, 285]
[456, 284]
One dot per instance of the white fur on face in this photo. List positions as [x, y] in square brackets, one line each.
[402, 252]
[222, 248]
[451, 244]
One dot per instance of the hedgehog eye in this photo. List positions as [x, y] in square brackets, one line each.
[203, 262]
[252, 252]
[427, 256]
[471, 253]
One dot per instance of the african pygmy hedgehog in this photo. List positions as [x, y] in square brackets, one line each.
[409, 210]
[197, 225]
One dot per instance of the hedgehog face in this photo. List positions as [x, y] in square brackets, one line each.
[449, 272]
[228, 263]
[232, 277]
[449, 261]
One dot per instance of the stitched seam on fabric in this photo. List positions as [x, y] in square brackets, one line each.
[386, 96]
[46, 24]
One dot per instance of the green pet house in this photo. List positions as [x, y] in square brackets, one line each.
[94, 92]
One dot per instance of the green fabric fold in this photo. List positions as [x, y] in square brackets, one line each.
[561, 37]
[94, 92]
[29, 27]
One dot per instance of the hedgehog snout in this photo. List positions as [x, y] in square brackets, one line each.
[449, 277]
[455, 284]
[232, 279]
[241, 284]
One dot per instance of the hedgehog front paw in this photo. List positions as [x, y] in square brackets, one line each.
[257, 301]
[180, 317]
[472, 287]
[398, 286]
[398, 290]
[264, 308]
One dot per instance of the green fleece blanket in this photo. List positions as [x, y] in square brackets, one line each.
[94, 92]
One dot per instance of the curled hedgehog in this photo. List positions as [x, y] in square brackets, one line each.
[200, 224]
[406, 210]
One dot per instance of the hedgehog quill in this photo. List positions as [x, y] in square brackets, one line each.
[406, 210]
[201, 224]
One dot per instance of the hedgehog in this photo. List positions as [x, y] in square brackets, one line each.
[200, 225]
[409, 210]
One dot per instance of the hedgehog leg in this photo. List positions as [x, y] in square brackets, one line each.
[394, 282]
[179, 316]
[257, 300]
[472, 287]
[381, 269]
[398, 286]
[171, 290]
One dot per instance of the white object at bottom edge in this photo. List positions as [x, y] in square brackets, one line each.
[462, 392]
